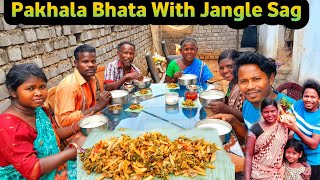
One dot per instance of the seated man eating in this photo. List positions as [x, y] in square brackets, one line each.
[122, 70]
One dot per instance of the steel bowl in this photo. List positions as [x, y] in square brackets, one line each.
[145, 83]
[206, 97]
[223, 128]
[192, 88]
[129, 87]
[113, 110]
[90, 123]
[119, 96]
[187, 79]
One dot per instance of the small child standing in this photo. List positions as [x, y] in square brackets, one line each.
[294, 157]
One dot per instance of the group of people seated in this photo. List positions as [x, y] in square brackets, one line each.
[30, 147]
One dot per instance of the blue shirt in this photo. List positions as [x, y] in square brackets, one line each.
[308, 123]
[252, 115]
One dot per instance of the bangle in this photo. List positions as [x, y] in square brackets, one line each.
[73, 128]
[78, 148]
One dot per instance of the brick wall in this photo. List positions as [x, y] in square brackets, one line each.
[51, 48]
[211, 39]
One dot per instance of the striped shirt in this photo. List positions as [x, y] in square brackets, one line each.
[308, 123]
[114, 71]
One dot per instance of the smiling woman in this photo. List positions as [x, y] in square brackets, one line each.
[234, 95]
[265, 144]
[225, 63]
[188, 64]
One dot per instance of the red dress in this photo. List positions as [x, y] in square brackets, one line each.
[16, 146]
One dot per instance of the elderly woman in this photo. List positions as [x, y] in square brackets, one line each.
[188, 64]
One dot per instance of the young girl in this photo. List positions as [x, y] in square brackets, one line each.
[29, 145]
[294, 157]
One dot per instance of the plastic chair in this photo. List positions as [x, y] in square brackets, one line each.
[165, 51]
[100, 77]
[153, 71]
[294, 90]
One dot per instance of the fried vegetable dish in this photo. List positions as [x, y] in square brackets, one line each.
[115, 107]
[285, 104]
[149, 155]
[188, 103]
[143, 91]
[172, 85]
[135, 106]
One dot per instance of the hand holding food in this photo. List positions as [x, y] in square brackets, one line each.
[290, 121]
[134, 75]
[177, 75]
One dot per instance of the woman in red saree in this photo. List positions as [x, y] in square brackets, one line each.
[29, 145]
[265, 145]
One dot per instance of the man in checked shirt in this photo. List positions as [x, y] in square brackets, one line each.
[122, 70]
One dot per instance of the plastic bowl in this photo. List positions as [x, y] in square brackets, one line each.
[172, 98]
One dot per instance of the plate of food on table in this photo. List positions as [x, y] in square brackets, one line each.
[189, 103]
[173, 86]
[154, 154]
[134, 108]
[143, 92]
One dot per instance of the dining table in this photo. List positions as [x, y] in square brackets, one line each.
[156, 114]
